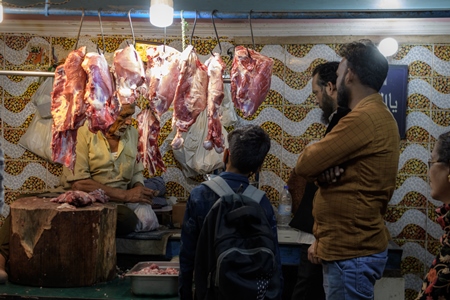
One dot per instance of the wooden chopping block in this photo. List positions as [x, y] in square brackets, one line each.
[61, 247]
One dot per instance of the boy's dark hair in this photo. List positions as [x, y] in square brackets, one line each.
[327, 73]
[443, 149]
[248, 147]
[366, 61]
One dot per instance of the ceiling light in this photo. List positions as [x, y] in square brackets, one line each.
[161, 13]
[388, 46]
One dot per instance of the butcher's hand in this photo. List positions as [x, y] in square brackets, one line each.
[140, 194]
[331, 175]
[312, 254]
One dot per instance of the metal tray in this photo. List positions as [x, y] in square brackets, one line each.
[154, 285]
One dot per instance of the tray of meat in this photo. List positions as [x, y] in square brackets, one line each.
[154, 278]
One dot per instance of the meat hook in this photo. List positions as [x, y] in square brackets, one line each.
[193, 28]
[251, 28]
[79, 29]
[101, 28]
[131, 25]
[164, 43]
[215, 30]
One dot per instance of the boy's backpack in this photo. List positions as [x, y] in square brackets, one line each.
[235, 256]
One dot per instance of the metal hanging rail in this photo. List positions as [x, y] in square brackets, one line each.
[386, 14]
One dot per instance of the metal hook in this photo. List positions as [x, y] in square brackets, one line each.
[101, 28]
[165, 34]
[79, 29]
[131, 25]
[251, 28]
[193, 28]
[215, 30]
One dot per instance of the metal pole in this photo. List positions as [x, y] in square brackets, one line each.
[241, 15]
[27, 73]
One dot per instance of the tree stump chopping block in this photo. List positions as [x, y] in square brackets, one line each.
[54, 246]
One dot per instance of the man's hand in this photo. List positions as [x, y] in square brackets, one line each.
[140, 194]
[331, 175]
[312, 254]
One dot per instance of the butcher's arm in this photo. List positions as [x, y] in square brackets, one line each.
[137, 194]
[352, 133]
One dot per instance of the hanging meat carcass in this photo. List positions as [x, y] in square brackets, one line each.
[148, 149]
[216, 68]
[190, 95]
[161, 77]
[129, 74]
[68, 107]
[251, 74]
[103, 105]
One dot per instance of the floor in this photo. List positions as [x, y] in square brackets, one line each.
[119, 288]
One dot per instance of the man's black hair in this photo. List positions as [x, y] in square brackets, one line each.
[367, 62]
[248, 147]
[443, 149]
[327, 73]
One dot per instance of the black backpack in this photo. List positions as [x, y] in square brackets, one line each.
[235, 256]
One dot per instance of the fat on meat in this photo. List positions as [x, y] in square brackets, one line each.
[162, 74]
[129, 74]
[251, 75]
[68, 107]
[215, 138]
[80, 198]
[190, 95]
[99, 94]
[148, 149]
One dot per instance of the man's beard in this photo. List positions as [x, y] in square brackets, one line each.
[328, 108]
[342, 94]
[119, 133]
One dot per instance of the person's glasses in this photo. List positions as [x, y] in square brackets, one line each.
[431, 162]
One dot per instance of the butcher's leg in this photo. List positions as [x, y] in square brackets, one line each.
[5, 233]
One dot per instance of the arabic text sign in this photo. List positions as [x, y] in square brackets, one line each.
[394, 93]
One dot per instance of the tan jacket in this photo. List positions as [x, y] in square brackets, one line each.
[349, 213]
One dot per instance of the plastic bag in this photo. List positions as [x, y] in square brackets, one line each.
[38, 137]
[228, 116]
[42, 98]
[148, 220]
[192, 156]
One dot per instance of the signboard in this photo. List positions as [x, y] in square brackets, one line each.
[394, 93]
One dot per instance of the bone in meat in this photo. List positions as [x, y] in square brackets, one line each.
[103, 105]
[129, 74]
[215, 96]
[68, 107]
[190, 95]
[251, 74]
[148, 149]
[161, 77]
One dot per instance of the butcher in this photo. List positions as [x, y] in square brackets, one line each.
[107, 162]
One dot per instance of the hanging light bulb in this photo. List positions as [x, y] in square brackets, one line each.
[161, 13]
[1, 11]
[388, 46]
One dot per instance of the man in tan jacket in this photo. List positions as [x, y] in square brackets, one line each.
[351, 237]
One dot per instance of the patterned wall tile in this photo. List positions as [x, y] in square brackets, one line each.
[289, 114]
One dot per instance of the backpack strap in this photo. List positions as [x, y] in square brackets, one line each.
[219, 186]
[254, 193]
